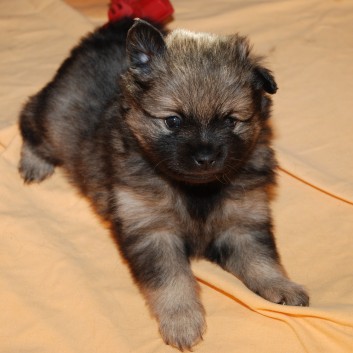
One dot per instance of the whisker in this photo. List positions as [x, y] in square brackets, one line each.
[218, 179]
[162, 161]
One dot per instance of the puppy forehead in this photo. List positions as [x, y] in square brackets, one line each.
[206, 75]
[184, 37]
[184, 45]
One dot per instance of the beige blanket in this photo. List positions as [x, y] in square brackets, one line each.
[63, 285]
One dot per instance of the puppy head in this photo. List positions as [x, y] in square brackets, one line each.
[197, 102]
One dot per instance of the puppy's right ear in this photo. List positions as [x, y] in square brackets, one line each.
[144, 44]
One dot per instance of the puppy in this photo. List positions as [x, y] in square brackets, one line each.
[168, 137]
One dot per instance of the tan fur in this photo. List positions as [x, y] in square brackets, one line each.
[179, 311]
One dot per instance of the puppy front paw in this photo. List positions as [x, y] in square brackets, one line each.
[183, 327]
[284, 292]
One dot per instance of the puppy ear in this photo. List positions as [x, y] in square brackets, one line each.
[263, 77]
[144, 43]
[265, 80]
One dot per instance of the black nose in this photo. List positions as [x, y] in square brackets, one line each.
[206, 158]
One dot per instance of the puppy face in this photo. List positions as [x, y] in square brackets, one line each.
[197, 101]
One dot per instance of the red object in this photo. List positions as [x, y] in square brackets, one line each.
[155, 10]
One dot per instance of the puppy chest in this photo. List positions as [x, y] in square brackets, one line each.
[196, 218]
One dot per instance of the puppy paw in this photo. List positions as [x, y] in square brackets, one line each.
[183, 328]
[284, 292]
[32, 168]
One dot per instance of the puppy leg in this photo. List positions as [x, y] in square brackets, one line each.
[32, 167]
[36, 163]
[251, 255]
[161, 269]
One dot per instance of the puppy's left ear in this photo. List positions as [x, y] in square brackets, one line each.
[265, 80]
[144, 44]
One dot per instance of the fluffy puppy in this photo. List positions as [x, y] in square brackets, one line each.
[168, 137]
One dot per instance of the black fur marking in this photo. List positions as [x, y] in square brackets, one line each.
[145, 264]
[221, 252]
[218, 254]
[201, 199]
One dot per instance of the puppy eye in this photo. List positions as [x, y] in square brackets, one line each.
[230, 121]
[173, 122]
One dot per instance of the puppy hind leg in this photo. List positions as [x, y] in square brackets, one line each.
[36, 162]
[32, 167]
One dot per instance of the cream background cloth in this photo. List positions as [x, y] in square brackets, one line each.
[63, 285]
